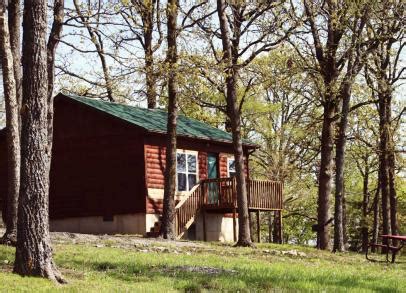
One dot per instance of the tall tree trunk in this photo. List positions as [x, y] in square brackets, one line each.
[14, 24]
[277, 237]
[53, 42]
[375, 224]
[150, 78]
[33, 251]
[392, 193]
[244, 237]
[384, 164]
[168, 217]
[13, 132]
[392, 175]
[365, 203]
[340, 163]
[148, 19]
[325, 176]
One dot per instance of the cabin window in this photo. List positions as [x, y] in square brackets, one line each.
[186, 169]
[231, 167]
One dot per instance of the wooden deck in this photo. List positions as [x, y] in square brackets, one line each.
[220, 196]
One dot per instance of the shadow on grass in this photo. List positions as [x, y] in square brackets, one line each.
[250, 279]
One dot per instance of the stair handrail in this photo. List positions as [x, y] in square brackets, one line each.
[189, 194]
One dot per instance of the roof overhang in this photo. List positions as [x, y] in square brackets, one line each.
[250, 146]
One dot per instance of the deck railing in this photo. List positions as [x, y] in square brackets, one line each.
[261, 194]
[265, 194]
[220, 192]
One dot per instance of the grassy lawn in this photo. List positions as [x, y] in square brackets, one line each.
[210, 267]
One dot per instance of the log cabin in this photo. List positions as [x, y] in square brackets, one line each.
[107, 173]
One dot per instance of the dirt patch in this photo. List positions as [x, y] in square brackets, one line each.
[196, 269]
[119, 241]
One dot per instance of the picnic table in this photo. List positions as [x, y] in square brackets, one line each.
[389, 248]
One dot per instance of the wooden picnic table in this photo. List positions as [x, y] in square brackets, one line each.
[394, 249]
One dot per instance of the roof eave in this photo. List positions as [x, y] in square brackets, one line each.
[252, 146]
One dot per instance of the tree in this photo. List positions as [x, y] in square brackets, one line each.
[142, 31]
[357, 53]
[14, 24]
[241, 32]
[53, 42]
[168, 216]
[97, 40]
[244, 237]
[383, 73]
[171, 69]
[332, 57]
[33, 250]
[363, 153]
[10, 83]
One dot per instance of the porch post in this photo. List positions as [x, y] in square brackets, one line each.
[234, 225]
[270, 225]
[258, 227]
[204, 224]
[251, 224]
[280, 227]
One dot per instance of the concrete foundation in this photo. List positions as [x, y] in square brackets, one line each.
[218, 228]
[120, 224]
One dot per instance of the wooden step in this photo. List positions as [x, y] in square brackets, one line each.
[153, 234]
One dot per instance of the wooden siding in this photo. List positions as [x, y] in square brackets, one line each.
[223, 165]
[155, 157]
[203, 165]
[156, 161]
[97, 166]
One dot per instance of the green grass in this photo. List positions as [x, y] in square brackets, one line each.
[108, 269]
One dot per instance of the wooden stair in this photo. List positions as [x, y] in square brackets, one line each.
[186, 212]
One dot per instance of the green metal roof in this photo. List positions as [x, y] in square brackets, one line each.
[155, 120]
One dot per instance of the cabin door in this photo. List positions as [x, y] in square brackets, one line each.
[212, 167]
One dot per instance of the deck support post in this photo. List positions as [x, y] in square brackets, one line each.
[270, 224]
[251, 225]
[204, 224]
[280, 227]
[234, 225]
[258, 227]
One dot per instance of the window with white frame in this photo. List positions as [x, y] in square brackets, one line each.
[231, 167]
[186, 169]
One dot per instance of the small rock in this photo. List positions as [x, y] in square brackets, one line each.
[99, 245]
[290, 252]
[6, 261]
[144, 250]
